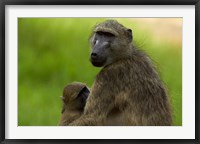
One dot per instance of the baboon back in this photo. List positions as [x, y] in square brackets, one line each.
[141, 98]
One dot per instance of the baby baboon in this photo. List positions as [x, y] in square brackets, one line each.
[74, 99]
[128, 87]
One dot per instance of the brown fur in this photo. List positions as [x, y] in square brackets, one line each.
[72, 104]
[128, 90]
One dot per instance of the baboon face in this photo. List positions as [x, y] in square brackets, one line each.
[101, 48]
[109, 42]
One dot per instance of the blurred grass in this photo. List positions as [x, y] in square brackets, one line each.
[53, 52]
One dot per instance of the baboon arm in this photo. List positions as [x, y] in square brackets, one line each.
[99, 104]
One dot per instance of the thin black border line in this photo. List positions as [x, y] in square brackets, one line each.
[103, 2]
[197, 59]
[100, 2]
[2, 76]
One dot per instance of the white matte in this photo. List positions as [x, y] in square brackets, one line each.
[187, 131]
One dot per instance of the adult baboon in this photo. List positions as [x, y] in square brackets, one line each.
[74, 99]
[128, 87]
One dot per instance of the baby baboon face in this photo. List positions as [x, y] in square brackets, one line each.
[110, 41]
[75, 96]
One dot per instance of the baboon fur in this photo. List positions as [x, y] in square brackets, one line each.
[74, 99]
[128, 88]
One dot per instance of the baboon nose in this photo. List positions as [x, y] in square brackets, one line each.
[94, 55]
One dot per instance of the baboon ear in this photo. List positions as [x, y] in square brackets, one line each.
[130, 36]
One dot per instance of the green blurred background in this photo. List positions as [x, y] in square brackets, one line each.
[53, 52]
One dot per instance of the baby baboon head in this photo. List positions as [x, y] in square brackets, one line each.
[110, 42]
[75, 96]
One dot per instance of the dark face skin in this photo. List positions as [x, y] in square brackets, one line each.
[101, 48]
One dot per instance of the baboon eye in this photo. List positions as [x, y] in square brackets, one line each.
[108, 34]
[95, 41]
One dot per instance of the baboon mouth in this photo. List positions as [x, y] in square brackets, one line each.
[97, 63]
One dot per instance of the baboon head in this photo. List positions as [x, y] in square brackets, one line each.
[74, 96]
[110, 41]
